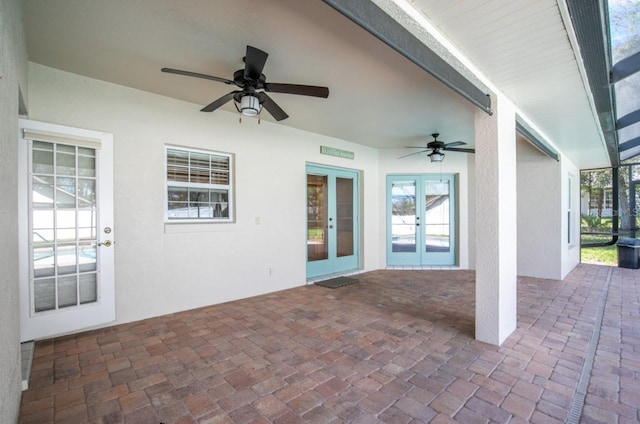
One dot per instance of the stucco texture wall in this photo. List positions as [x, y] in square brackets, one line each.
[539, 213]
[544, 250]
[163, 268]
[12, 72]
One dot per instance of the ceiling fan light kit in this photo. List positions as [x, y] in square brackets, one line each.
[249, 105]
[248, 101]
[436, 156]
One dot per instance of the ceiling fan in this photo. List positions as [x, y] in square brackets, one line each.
[253, 87]
[437, 147]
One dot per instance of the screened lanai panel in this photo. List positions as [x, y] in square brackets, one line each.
[628, 104]
[624, 20]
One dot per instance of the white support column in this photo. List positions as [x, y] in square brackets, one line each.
[496, 223]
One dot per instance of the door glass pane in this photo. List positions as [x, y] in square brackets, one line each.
[65, 225]
[42, 235]
[42, 157]
[65, 160]
[43, 258]
[344, 216]
[86, 162]
[67, 291]
[403, 216]
[88, 288]
[63, 218]
[44, 294]
[436, 216]
[87, 225]
[317, 223]
[42, 225]
[42, 191]
[86, 193]
[87, 255]
[65, 192]
[65, 258]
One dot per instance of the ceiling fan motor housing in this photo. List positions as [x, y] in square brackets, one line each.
[240, 80]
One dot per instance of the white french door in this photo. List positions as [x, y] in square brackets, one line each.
[66, 229]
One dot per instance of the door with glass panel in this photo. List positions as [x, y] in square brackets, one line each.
[421, 220]
[332, 228]
[66, 229]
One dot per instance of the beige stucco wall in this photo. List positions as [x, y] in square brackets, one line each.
[496, 217]
[160, 267]
[539, 226]
[13, 73]
[543, 247]
[166, 268]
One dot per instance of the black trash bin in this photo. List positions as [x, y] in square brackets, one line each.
[628, 253]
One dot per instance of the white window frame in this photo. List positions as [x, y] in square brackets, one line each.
[229, 188]
[607, 198]
[570, 234]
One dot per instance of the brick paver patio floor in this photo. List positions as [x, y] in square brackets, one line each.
[396, 347]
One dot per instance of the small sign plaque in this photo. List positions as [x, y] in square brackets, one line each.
[332, 151]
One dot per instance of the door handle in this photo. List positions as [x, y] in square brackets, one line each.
[106, 243]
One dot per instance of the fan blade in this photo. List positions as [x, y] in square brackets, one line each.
[254, 63]
[455, 143]
[303, 90]
[197, 75]
[414, 153]
[221, 101]
[272, 107]
[457, 149]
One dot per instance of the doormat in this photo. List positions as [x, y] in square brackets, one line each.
[334, 283]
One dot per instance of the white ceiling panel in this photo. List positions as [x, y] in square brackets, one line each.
[377, 97]
[524, 49]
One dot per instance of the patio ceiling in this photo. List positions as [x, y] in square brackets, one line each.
[377, 96]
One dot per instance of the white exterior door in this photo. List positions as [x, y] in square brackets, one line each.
[66, 229]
